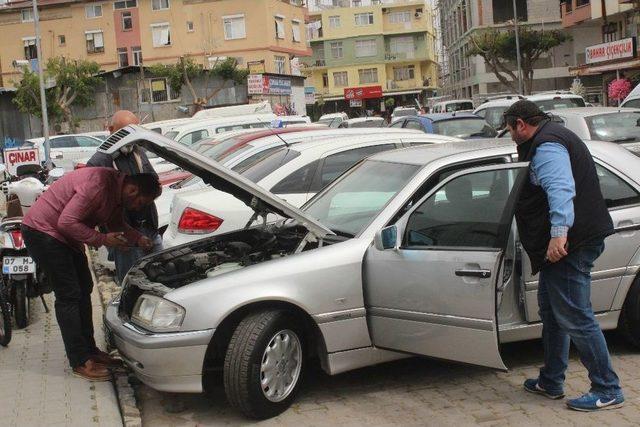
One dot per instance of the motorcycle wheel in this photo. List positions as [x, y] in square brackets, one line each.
[20, 304]
[5, 321]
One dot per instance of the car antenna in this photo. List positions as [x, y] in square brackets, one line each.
[275, 134]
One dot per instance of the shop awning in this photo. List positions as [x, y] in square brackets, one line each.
[599, 69]
[402, 92]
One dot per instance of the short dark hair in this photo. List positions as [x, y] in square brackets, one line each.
[147, 183]
[525, 110]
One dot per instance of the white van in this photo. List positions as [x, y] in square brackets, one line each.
[234, 111]
[190, 133]
[164, 126]
[450, 106]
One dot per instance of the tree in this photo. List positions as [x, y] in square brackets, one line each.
[75, 82]
[186, 70]
[498, 49]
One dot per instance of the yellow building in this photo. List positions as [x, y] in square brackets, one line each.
[264, 35]
[364, 51]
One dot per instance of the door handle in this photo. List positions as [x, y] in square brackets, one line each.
[626, 226]
[481, 273]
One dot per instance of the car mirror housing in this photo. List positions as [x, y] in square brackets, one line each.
[387, 238]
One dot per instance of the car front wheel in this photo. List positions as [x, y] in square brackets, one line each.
[263, 365]
[629, 323]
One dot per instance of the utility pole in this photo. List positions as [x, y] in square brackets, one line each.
[515, 25]
[43, 97]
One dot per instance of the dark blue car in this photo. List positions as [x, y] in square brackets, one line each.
[459, 124]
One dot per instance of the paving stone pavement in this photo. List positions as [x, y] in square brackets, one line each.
[36, 384]
[420, 392]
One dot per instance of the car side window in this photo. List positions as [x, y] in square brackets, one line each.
[193, 137]
[616, 192]
[336, 164]
[397, 124]
[481, 113]
[298, 182]
[64, 142]
[468, 211]
[84, 141]
[413, 124]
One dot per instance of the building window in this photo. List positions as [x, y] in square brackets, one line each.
[336, 50]
[611, 31]
[295, 31]
[356, 3]
[366, 48]
[95, 41]
[30, 51]
[161, 34]
[190, 27]
[125, 4]
[279, 27]
[405, 46]
[234, 27]
[503, 11]
[123, 57]
[159, 4]
[127, 21]
[62, 40]
[334, 22]
[93, 11]
[137, 55]
[27, 15]
[158, 90]
[400, 17]
[325, 79]
[364, 18]
[404, 73]
[341, 79]
[368, 75]
[279, 62]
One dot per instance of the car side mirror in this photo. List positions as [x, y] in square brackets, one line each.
[387, 238]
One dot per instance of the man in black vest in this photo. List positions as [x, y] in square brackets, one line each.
[562, 221]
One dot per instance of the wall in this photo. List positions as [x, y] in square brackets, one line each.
[348, 27]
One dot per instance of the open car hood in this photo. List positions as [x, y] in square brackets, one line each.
[211, 172]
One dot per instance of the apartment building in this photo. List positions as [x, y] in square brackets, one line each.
[265, 35]
[468, 77]
[605, 42]
[365, 51]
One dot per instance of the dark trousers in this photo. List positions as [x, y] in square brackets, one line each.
[70, 278]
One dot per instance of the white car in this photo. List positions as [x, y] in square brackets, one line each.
[333, 120]
[192, 132]
[403, 112]
[492, 110]
[294, 173]
[363, 122]
[633, 99]
[454, 105]
[164, 126]
[66, 149]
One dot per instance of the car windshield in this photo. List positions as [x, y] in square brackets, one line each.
[277, 159]
[171, 134]
[458, 106]
[622, 126]
[494, 116]
[367, 124]
[359, 196]
[332, 122]
[464, 128]
[558, 103]
[405, 112]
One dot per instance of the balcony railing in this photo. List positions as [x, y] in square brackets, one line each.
[320, 5]
[399, 56]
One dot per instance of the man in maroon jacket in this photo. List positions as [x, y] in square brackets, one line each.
[55, 230]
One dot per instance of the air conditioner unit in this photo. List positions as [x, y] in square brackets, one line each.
[418, 15]
[385, 10]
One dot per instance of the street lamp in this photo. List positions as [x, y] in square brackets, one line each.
[43, 98]
[515, 25]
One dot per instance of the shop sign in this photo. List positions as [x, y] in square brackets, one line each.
[366, 92]
[309, 95]
[255, 84]
[619, 49]
[355, 103]
[256, 67]
[278, 85]
[20, 156]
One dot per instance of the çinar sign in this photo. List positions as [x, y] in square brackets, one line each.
[20, 156]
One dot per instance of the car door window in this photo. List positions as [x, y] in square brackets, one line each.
[64, 142]
[615, 191]
[193, 137]
[397, 124]
[467, 211]
[413, 124]
[481, 113]
[336, 164]
[87, 142]
[298, 182]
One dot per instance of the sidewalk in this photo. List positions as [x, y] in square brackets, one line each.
[36, 384]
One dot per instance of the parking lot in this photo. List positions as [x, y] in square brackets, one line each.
[419, 392]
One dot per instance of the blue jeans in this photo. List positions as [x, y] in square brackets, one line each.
[124, 260]
[564, 298]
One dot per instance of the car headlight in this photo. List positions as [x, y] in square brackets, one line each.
[157, 314]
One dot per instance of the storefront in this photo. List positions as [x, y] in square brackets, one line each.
[365, 98]
[284, 93]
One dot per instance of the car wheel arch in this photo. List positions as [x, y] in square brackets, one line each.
[217, 348]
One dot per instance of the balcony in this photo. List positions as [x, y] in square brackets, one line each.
[317, 6]
[574, 12]
[315, 63]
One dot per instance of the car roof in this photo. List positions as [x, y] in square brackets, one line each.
[554, 95]
[450, 115]
[452, 101]
[589, 111]
[41, 139]
[224, 121]
[365, 119]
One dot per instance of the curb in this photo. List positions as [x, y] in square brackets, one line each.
[123, 378]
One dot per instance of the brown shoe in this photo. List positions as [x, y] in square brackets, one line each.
[103, 358]
[92, 371]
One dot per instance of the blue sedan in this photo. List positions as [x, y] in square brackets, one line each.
[458, 124]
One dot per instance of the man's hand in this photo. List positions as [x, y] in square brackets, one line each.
[116, 240]
[557, 249]
[145, 243]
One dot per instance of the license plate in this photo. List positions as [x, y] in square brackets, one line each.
[18, 265]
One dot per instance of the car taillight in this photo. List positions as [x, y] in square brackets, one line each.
[194, 221]
[16, 236]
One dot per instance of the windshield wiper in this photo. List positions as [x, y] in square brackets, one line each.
[625, 139]
[342, 233]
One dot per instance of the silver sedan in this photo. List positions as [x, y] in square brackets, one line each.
[410, 252]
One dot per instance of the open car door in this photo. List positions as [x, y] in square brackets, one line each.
[432, 278]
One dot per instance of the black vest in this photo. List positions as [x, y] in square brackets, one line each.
[592, 219]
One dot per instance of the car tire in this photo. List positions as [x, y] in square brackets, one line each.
[21, 304]
[629, 324]
[5, 321]
[264, 363]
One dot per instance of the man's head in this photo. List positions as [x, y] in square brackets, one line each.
[522, 120]
[120, 119]
[140, 190]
